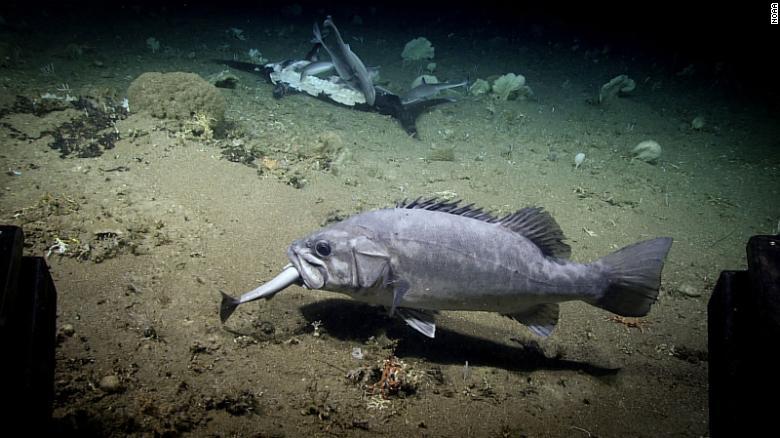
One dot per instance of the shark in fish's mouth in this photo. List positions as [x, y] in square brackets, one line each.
[309, 267]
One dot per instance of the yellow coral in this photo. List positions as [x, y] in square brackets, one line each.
[201, 126]
[270, 163]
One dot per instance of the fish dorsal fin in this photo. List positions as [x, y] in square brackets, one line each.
[540, 319]
[533, 223]
[540, 228]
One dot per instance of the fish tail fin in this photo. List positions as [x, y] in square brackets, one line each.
[227, 307]
[634, 277]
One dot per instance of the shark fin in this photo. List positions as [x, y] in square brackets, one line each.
[227, 307]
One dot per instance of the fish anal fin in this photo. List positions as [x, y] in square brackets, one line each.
[540, 319]
[421, 320]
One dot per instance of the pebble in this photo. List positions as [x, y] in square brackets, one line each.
[244, 341]
[266, 327]
[110, 384]
[68, 330]
[689, 290]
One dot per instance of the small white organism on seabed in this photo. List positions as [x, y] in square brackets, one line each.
[578, 160]
[316, 326]
[59, 247]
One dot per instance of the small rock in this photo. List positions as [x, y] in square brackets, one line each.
[68, 330]
[197, 347]
[648, 151]
[688, 290]
[266, 327]
[224, 79]
[244, 341]
[356, 375]
[110, 384]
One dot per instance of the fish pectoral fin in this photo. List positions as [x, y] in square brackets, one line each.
[540, 319]
[421, 320]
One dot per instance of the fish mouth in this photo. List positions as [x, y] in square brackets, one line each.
[311, 269]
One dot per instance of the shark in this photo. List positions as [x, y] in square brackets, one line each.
[347, 64]
[425, 91]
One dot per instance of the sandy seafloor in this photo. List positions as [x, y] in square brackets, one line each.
[170, 222]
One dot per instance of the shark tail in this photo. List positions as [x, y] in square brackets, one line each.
[317, 34]
[227, 307]
[634, 277]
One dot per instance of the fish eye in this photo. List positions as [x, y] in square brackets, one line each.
[322, 248]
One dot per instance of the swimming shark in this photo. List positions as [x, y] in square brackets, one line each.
[425, 91]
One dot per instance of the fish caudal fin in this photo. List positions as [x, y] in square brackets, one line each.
[227, 307]
[634, 277]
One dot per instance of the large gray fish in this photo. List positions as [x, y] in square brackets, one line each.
[424, 256]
